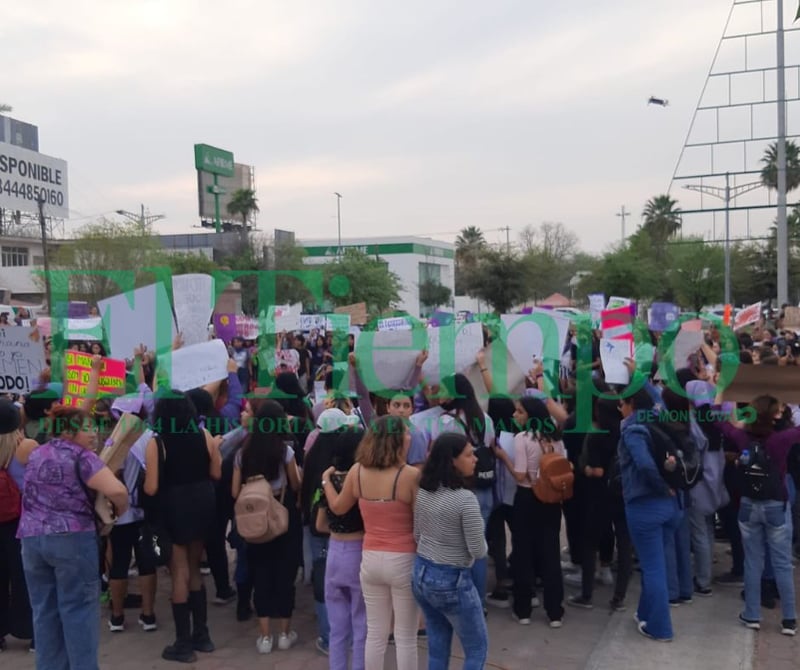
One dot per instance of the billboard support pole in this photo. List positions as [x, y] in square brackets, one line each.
[45, 256]
[217, 225]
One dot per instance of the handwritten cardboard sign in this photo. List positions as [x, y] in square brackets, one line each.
[357, 311]
[198, 365]
[21, 359]
[748, 315]
[79, 371]
[193, 301]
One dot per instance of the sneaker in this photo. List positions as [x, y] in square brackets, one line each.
[604, 576]
[3, 644]
[535, 602]
[675, 603]
[498, 599]
[617, 605]
[286, 641]
[422, 634]
[264, 644]
[730, 579]
[556, 623]
[750, 623]
[580, 601]
[789, 627]
[391, 638]
[642, 628]
[116, 624]
[569, 566]
[703, 591]
[204, 569]
[685, 600]
[522, 621]
[148, 623]
[225, 597]
[322, 646]
[573, 579]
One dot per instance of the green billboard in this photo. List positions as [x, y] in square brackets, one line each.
[213, 160]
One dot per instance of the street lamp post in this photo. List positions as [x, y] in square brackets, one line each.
[142, 219]
[339, 222]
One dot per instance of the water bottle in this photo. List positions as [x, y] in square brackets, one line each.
[744, 457]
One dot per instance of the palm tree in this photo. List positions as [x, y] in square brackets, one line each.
[243, 202]
[662, 219]
[5, 108]
[769, 173]
[469, 245]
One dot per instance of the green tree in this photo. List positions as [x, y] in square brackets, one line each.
[186, 263]
[107, 245]
[498, 279]
[549, 253]
[769, 173]
[5, 108]
[358, 277]
[432, 294]
[662, 219]
[243, 203]
[697, 273]
[470, 244]
[626, 271]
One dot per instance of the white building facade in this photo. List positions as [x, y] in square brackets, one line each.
[415, 260]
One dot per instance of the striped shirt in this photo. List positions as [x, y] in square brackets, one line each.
[448, 527]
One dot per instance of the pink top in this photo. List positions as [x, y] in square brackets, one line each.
[527, 452]
[388, 524]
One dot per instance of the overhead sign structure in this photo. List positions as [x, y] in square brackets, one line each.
[27, 176]
[219, 163]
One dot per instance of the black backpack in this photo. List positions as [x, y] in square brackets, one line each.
[759, 478]
[666, 441]
[485, 468]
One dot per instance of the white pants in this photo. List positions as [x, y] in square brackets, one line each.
[386, 585]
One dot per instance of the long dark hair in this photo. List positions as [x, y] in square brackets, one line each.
[264, 451]
[343, 454]
[175, 413]
[540, 423]
[766, 407]
[295, 404]
[463, 400]
[439, 470]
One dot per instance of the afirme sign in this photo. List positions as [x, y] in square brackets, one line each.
[213, 160]
[26, 176]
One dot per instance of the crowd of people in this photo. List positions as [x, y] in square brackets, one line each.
[391, 503]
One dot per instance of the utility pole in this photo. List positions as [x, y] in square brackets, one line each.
[622, 214]
[508, 239]
[40, 201]
[339, 223]
[143, 220]
[782, 236]
[726, 194]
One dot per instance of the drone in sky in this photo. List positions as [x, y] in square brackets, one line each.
[661, 102]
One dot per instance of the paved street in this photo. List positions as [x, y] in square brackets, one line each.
[708, 637]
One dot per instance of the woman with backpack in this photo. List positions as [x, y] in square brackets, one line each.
[536, 525]
[59, 540]
[15, 608]
[182, 462]
[450, 536]
[764, 512]
[385, 488]
[267, 453]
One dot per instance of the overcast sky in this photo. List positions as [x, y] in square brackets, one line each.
[427, 116]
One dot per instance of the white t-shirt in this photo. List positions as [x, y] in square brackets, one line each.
[446, 423]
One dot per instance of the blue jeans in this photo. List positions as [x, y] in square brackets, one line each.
[450, 602]
[319, 548]
[64, 585]
[766, 522]
[702, 528]
[480, 568]
[679, 559]
[651, 522]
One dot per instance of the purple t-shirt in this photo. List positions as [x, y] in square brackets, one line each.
[53, 500]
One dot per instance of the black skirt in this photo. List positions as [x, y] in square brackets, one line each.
[188, 511]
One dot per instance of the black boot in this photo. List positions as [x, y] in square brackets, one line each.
[181, 650]
[244, 608]
[201, 641]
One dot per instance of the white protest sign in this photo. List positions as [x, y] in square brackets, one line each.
[282, 319]
[687, 342]
[386, 358]
[21, 359]
[394, 323]
[451, 349]
[597, 303]
[615, 301]
[319, 391]
[89, 329]
[613, 354]
[138, 317]
[309, 322]
[193, 300]
[542, 334]
[198, 364]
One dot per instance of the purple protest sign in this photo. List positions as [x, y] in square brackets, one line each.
[225, 326]
[77, 309]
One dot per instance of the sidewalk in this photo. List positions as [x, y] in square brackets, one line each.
[774, 651]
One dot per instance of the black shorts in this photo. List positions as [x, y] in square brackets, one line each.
[124, 540]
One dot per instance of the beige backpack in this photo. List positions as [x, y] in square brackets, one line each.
[260, 516]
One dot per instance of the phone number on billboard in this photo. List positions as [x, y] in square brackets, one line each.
[50, 196]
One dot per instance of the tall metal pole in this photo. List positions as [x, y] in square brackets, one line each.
[622, 214]
[45, 256]
[727, 238]
[339, 222]
[783, 244]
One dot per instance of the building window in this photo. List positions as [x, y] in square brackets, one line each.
[430, 272]
[13, 257]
